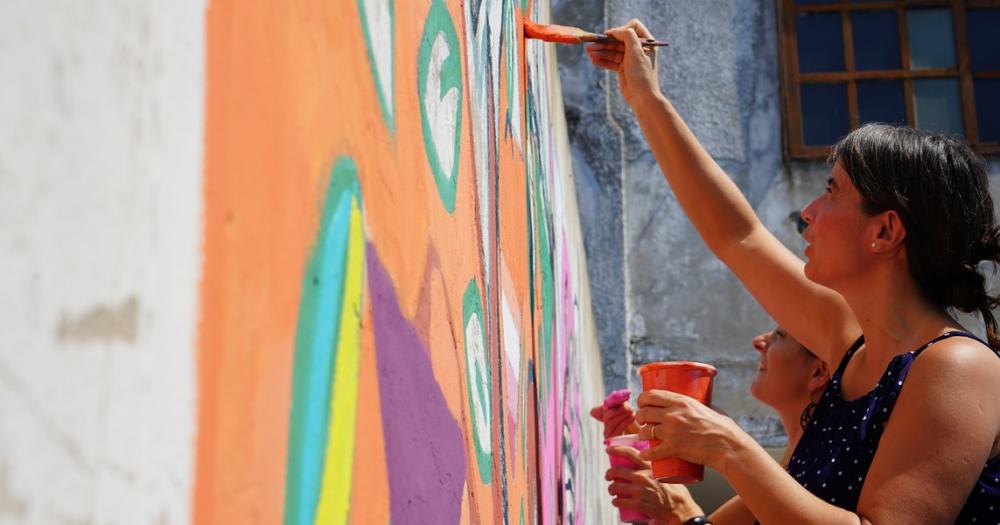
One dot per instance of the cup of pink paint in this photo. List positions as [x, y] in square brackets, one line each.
[628, 440]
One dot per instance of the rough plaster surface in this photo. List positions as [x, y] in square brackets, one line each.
[597, 150]
[673, 299]
[100, 128]
[731, 105]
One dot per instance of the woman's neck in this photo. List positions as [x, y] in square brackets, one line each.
[791, 420]
[792, 423]
[894, 316]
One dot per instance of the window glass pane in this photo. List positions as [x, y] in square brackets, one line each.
[938, 105]
[988, 109]
[932, 43]
[824, 113]
[881, 101]
[876, 40]
[983, 30]
[821, 42]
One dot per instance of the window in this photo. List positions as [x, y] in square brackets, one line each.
[931, 64]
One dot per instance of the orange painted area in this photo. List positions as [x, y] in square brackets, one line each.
[291, 88]
[370, 494]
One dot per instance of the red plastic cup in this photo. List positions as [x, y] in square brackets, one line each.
[628, 440]
[692, 380]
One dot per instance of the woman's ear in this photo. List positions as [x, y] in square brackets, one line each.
[891, 232]
[820, 376]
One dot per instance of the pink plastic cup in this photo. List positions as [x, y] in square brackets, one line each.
[692, 380]
[628, 440]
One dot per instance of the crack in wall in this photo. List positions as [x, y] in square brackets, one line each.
[62, 439]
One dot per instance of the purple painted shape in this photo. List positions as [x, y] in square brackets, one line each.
[424, 449]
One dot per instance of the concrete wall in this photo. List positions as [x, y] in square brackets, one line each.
[101, 123]
[291, 262]
[672, 299]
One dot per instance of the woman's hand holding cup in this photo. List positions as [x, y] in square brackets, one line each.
[637, 490]
[684, 428]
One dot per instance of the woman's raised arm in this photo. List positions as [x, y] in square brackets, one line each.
[813, 314]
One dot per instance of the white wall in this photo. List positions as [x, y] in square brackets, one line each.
[100, 201]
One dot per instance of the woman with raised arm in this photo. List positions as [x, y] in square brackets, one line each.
[909, 429]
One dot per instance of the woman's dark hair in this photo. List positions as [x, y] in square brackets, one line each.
[940, 190]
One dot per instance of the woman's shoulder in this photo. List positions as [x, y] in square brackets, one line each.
[959, 349]
[955, 365]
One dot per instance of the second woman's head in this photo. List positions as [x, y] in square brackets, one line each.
[789, 376]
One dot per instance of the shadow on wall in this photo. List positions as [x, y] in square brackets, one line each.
[392, 313]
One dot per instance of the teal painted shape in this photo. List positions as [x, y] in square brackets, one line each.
[316, 347]
[384, 86]
[441, 145]
[478, 380]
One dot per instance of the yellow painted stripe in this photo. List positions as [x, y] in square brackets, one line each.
[335, 496]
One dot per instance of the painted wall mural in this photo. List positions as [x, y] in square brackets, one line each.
[395, 318]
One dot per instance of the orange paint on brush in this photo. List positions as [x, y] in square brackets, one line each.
[573, 35]
[559, 34]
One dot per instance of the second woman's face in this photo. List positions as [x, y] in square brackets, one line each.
[784, 370]
[836, 244]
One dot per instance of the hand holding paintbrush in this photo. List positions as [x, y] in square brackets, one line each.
[634, 63]
[573, 35]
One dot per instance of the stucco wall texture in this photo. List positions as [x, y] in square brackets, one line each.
[291, 262]
[670, 298]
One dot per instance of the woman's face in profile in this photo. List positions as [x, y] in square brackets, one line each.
[835, 247]
[784, 369]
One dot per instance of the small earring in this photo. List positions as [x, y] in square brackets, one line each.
[873, 245]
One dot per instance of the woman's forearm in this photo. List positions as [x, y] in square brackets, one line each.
[733, 512]
[772, 495]
[713, 202]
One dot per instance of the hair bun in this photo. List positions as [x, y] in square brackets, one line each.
[967, 291]
[987, 248]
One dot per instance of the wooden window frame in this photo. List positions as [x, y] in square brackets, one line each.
[791, 79]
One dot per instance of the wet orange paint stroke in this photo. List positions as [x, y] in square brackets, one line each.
[572, 35]
[559, 34]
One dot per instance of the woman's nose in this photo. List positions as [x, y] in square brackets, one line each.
[760, 343]
[809, 212]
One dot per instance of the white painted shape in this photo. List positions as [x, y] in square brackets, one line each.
[512, 352]
[475, 352]
[476, 64]
[378, 18]
[101, 128]
[441, 111]
[496, 29]
[515, 76]
[511, 339]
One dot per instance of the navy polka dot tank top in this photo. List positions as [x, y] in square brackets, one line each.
[832, 458]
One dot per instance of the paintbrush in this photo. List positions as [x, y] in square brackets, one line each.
[573, 35]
